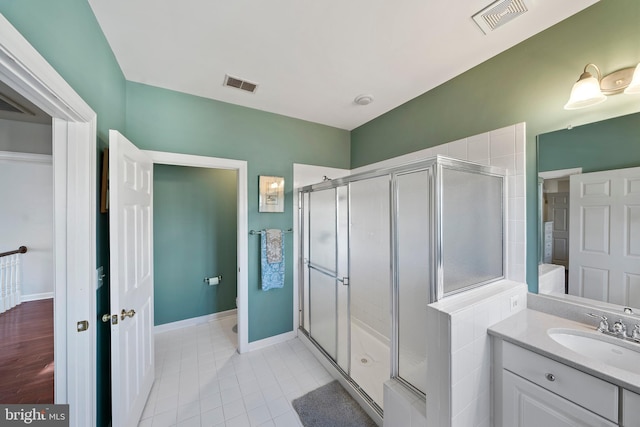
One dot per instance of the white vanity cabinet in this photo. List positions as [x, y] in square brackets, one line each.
[536, 391]
[529, 405]
[537, 382]
[630, 409]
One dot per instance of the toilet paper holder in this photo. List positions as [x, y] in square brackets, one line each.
[213, 281]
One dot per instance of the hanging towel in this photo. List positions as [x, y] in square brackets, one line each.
[272, 259]
[274, 246]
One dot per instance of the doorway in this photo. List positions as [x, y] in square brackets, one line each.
[558, 213]
[195, 244]
[555, 215]
[26, 294]
[26, 279]
[241, 252]
[24, 70]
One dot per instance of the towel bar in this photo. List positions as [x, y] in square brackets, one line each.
[252, 232]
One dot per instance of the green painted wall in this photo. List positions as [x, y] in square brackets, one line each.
[194, 235]
[164, 120]
[67, 35]
[527, 83]
[609, 144]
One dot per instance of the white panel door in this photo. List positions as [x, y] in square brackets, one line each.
[131, 240]
[605, 229]
[558, 212]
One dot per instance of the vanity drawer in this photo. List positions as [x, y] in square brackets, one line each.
[630, 409]
[583, 389]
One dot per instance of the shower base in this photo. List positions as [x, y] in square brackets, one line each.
[370, 361]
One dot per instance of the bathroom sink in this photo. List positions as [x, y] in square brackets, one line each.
[606, 349]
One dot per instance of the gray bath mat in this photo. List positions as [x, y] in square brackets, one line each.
[331, 406]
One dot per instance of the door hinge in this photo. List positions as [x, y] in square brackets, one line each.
[82, 325]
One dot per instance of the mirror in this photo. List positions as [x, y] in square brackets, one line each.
[604, 158]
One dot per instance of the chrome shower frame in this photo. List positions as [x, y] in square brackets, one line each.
[434, 168]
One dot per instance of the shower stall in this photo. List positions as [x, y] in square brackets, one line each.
[377, 247]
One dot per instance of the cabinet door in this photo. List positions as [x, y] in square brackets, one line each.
[528, 405]
[630, 409]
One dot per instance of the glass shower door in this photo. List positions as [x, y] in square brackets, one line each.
[413, 274]
[321, 268]
[472, 229]
[370, 284]
[326, 270]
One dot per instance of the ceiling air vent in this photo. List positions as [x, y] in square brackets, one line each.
[499, 13]
[240, 84]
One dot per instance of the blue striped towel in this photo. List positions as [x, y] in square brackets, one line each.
[272, 259]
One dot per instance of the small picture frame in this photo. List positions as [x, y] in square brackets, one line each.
[271, 194]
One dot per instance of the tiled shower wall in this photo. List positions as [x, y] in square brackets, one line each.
[459, 352]
[458, 349]
[461, 393]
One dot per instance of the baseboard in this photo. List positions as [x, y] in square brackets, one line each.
[36, 297]
[26, 157]
[194, 321]
[276, 339]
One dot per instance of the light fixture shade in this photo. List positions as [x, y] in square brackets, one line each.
[634, 86]
[585, 93]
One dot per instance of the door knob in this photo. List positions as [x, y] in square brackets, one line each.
[126, 313]
[110, 318]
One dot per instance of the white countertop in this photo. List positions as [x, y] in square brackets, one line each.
[528, 329]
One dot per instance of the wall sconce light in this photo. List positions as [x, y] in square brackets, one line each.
[589, 90]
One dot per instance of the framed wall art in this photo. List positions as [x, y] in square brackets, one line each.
[271, 194]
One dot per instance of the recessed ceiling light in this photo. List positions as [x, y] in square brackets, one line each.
[363, 99]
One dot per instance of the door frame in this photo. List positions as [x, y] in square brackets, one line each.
[240, 166]
[546, 175]
[74, 218]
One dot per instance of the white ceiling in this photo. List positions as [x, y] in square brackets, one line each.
[311, 58]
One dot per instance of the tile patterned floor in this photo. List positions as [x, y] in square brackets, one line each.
[201, 381]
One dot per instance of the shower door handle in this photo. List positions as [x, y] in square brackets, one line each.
[344, 280]
[332, 274]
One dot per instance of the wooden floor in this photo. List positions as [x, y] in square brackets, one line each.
[26, 353]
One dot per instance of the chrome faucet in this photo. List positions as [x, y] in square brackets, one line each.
[603, 326]
[620, 329]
